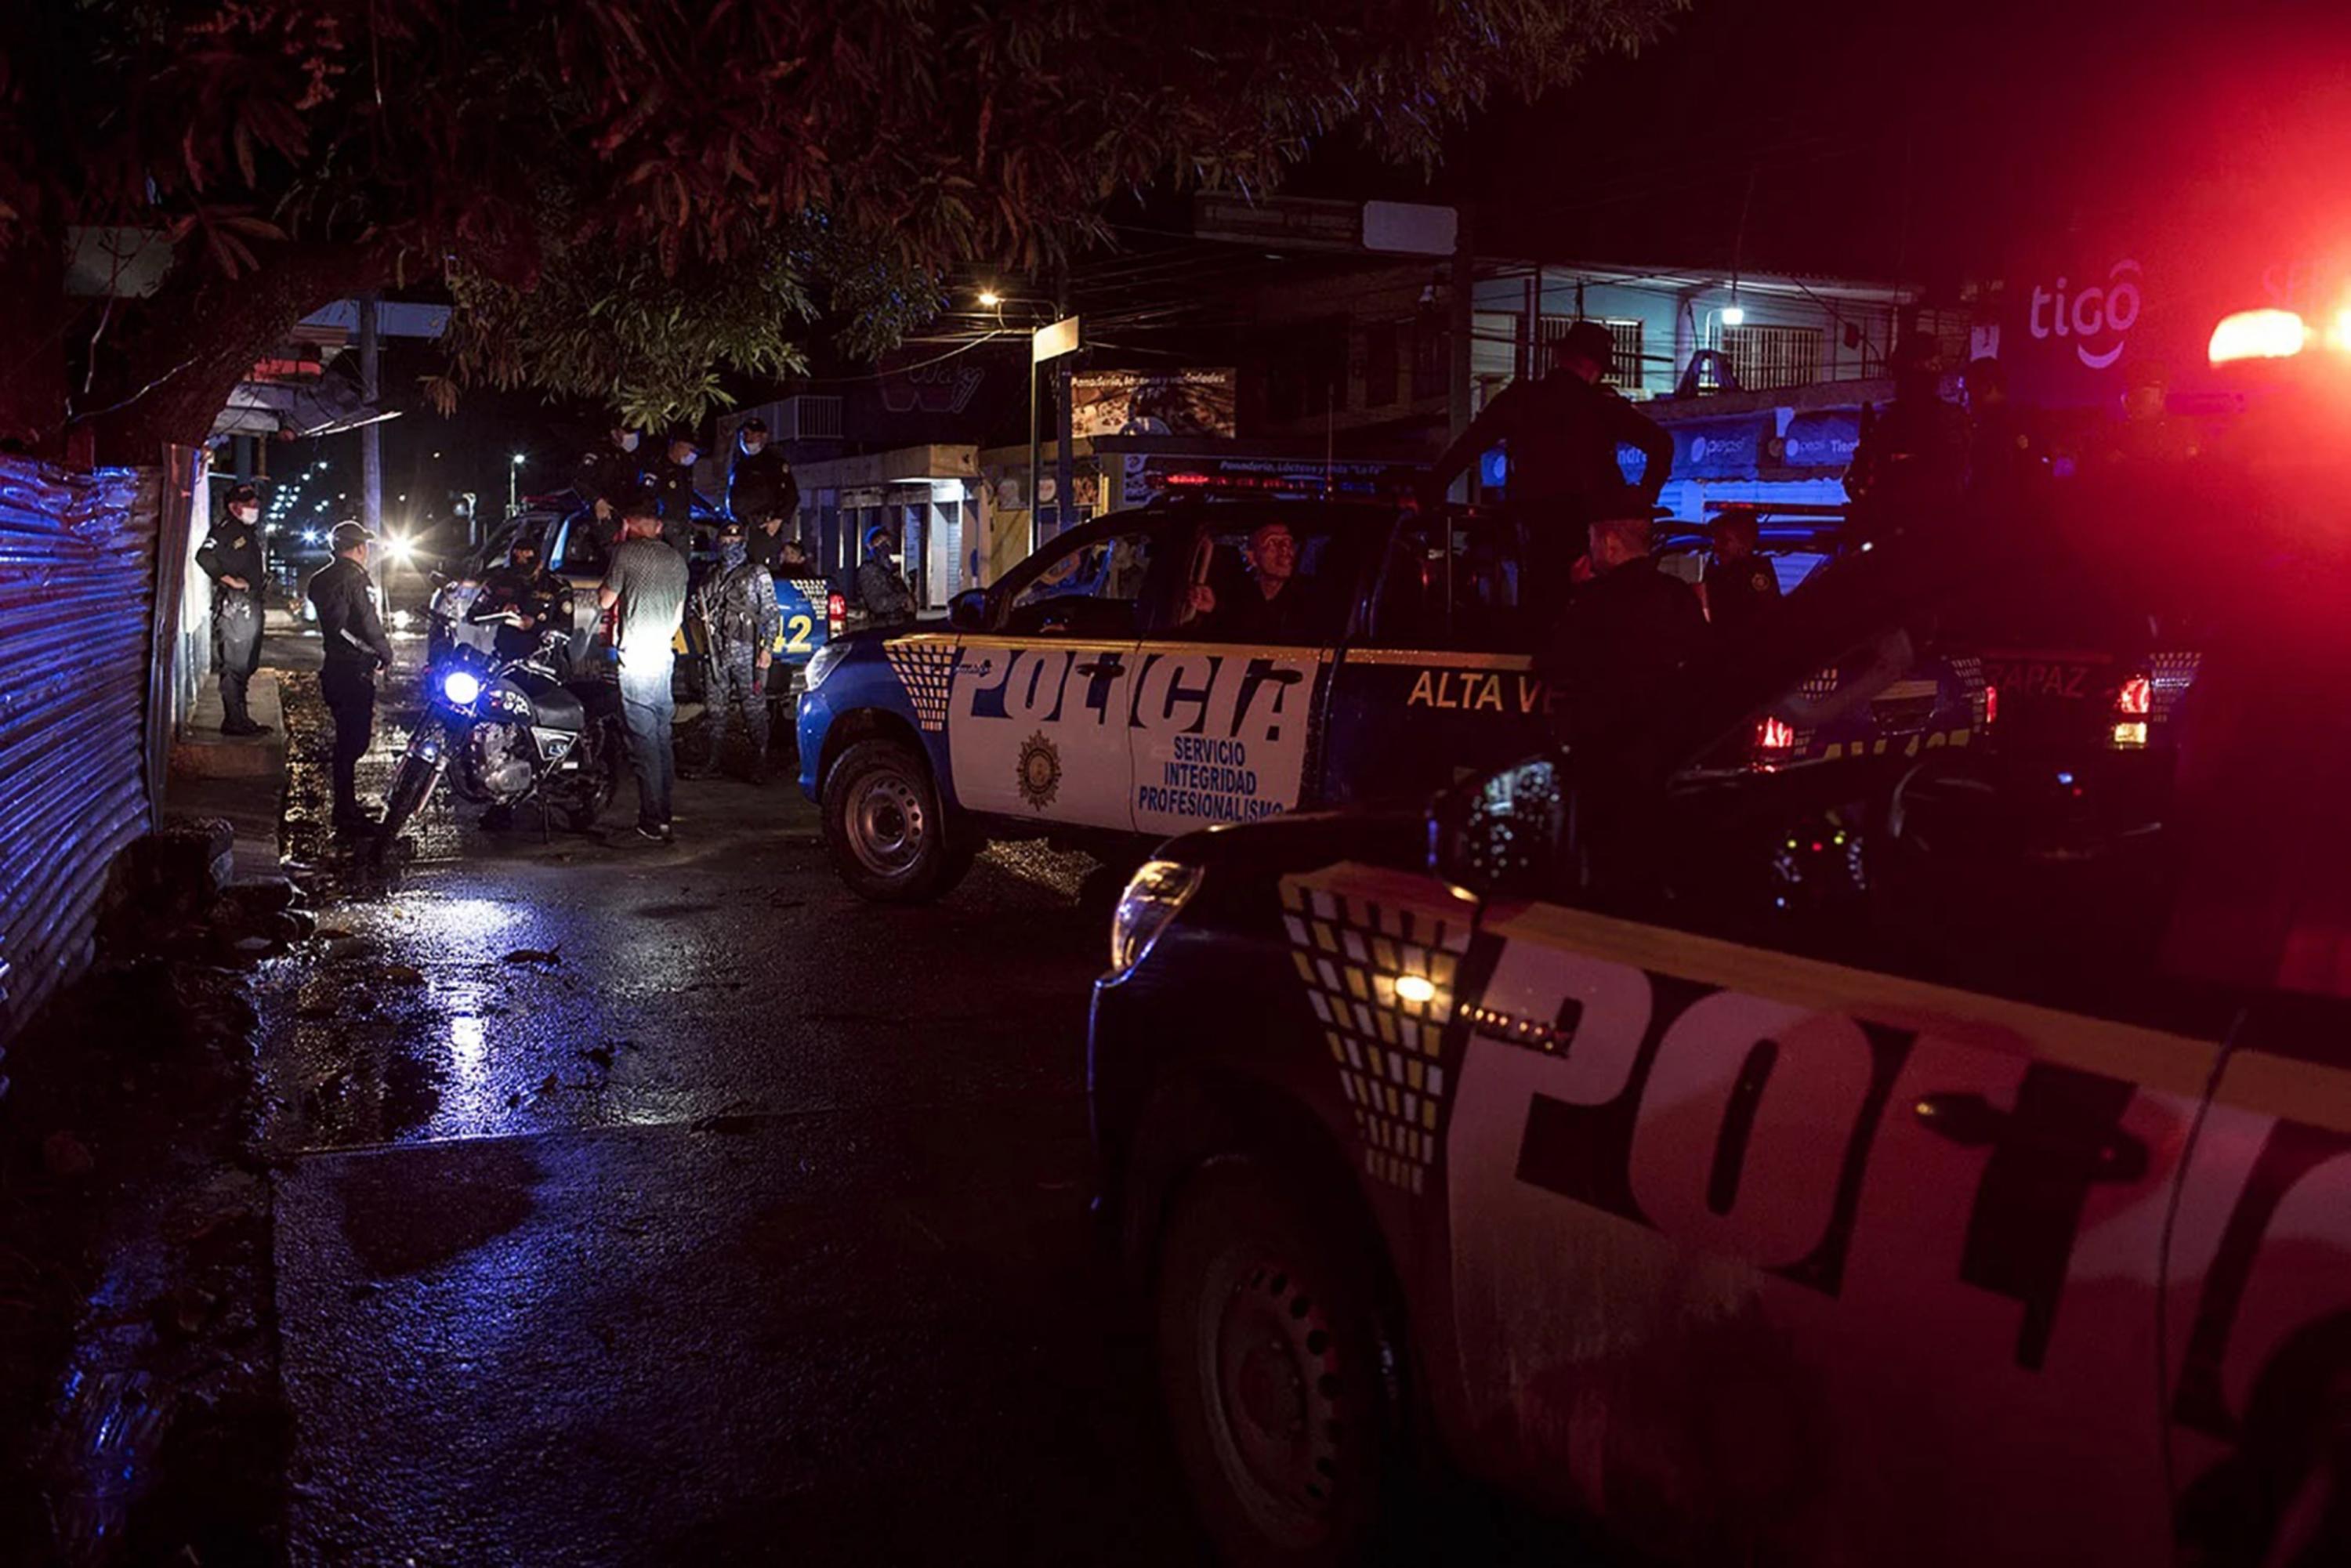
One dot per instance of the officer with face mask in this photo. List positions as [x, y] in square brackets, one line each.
[231, 557]
[524, 601]
[761, 493]
[738, 607]
[607, 476]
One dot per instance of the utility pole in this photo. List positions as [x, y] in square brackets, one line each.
[1462, 321]
[371, 438]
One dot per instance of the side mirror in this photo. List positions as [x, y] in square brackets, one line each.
[967, 610]
[1509, 832]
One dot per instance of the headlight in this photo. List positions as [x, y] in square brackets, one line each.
[461, 687]
[1152, 899]
[821, 662]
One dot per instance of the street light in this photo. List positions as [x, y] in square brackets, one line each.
[989, 298]
[514, 483]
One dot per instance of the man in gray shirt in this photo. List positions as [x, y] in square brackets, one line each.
[647, 581]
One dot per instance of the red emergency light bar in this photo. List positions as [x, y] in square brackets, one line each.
[2273, 334]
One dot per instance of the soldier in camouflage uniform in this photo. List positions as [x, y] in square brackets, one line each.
[738, 607]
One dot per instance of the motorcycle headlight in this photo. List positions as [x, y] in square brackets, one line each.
[1154, 897]
[461, 687]
[821, 662]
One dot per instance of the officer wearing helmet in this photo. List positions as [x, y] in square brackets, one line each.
[231, 557]
[888, 599]
[736, 605]
[350, 624]
[524, 599]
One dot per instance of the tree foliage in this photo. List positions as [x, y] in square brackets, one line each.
[672, 167]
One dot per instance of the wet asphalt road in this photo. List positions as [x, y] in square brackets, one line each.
[644, 1205]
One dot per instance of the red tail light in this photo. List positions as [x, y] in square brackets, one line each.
[836, 614]
[1772, 734]
[1992, 705]
[2137, 699]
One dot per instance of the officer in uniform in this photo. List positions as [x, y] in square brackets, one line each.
[761, 493]
[1623, 633]
[1563, 432]
[881, 586]
[231, 557]
[1739, 583]
[1912, 460]
[673, 488]
[737, 604]
[524, 599]
[607, 476]
[351, 627]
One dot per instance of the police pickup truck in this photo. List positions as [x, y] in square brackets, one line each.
[1934, 1159]
[1122, 684]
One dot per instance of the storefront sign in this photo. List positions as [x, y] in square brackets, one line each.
[1153, 403]
[1826, 439]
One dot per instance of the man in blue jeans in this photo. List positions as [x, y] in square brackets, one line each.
[644, 587]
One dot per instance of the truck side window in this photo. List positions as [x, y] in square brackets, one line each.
[1456, 583]
[1089, 590]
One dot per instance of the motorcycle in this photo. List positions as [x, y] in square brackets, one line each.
[517, 732]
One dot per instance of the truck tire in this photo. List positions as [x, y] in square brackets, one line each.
[1275, 1369]
[891, 838]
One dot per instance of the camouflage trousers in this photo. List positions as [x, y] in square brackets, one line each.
[733, 682]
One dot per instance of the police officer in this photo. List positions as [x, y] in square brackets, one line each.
[524, 599]
[673, 488]
[881, 588]
[1563, 432]
[1913, 458]
[231, 557]
[760, 490]
[1623, 633]
[737, 604]
[1739, 583]
[351, 626]
[608, 476]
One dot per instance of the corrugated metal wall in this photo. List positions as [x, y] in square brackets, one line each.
[76, 588]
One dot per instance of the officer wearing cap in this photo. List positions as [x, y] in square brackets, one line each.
[1562, 433]
[761, 493]
[351, 627]
[736, 605]
[673, 488]
[231, 557]
[1739, 583]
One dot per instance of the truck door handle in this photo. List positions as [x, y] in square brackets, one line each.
[1100, 666]
[1973, 1122]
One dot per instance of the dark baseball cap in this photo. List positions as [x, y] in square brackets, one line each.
[242, 495]
[754, 423]
[349, 535]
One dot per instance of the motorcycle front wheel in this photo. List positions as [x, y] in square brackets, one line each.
[599, 780]
[411, 781]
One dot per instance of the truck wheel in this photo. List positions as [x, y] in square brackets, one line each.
[1274, 1368]
[890, 838]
